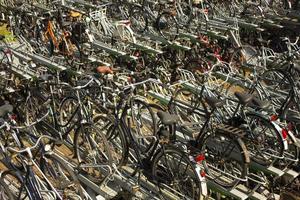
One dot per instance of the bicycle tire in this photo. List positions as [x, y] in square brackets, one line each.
[69, 105]
[14, 183]
[57, 172]
[139, 121]
[238, 155]
[115, 137]
[139, 12]
[164, 22]
[162, 178]
[5, 192]
[88, 155]
[273, 138]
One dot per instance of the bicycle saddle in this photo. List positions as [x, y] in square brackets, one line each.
[167, 118]
[2, 37]
[260, 103]
[243, 98]
[214, 102]
[7, 108]
[292, 116]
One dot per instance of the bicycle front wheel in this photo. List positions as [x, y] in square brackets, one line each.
[93, 152]
[61, 175]
[5, 191]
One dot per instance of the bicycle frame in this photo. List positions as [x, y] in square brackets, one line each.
[56, 128]
[57, 41]
[29, 182]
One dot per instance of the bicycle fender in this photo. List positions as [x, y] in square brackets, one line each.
[279, 129]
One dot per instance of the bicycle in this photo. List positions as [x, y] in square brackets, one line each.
[152, 163]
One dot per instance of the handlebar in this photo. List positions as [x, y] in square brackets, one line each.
[28, 149]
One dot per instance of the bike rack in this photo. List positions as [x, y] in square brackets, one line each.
[100, 45]
[82, 3]
[145, 48]
[121, 181]
[163, 41]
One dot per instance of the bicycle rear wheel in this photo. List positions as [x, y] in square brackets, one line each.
[143, 124]
[174, 172]
[263, 140]
[226, 160]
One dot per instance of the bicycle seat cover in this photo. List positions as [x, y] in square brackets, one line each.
[260, 103]
[214, 102]
[7, 108]
[243, 98]
[167, 118]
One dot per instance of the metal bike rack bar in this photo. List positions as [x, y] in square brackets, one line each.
[245, 24]
[45, 61]
[191, 37]
[234, 193]
[267, 170]
[163, 41]
[271, 24]
[22, 72]
[116, 181]
[100, 45]
[290, 174]
[73, 8]
[39, 6]
[147, 184]
[94, 59]
[20, 55]
[253, 195]
[145, 48]
[84, 3]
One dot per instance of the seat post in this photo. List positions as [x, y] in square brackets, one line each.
[202, 133]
